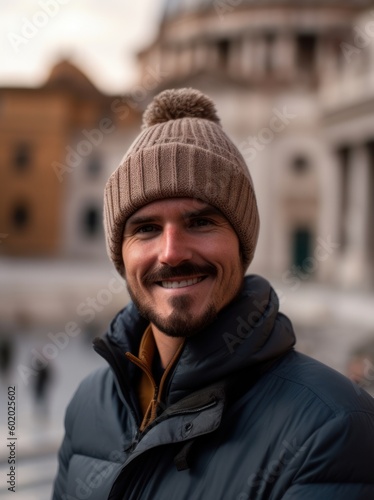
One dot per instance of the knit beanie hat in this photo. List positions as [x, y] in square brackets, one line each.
[182, 151]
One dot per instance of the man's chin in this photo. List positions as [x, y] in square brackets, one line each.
[181, 324]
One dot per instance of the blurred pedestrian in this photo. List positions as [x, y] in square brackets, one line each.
[41, 387]
[6, 357]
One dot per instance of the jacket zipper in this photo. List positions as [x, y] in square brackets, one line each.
[158, 391]
[139, 363]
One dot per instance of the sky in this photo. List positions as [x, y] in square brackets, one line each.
[101, 37]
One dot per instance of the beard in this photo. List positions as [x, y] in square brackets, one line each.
[179, 323]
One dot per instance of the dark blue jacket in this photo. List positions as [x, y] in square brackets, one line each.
[244, 417]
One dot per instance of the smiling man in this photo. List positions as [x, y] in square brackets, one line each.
[204, 396]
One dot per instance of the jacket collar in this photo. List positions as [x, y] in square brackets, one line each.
[246, 334]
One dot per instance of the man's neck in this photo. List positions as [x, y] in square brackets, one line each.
[167, 346]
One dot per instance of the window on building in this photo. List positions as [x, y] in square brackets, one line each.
[20, 216]
[302, 239]
[306, 52]
[300, 165]
[269, 54]
[94, 165]
[91, 221]
[22, 156]
[224, 51]
[343, 156]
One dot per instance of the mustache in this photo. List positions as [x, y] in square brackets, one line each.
[186, 270]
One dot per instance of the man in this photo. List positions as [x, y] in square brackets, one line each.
[204, 396]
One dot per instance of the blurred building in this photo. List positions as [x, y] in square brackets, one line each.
[268, 65]
[347, 103]
[58, 145]
[293, 85]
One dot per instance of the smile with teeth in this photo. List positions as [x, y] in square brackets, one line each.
[182, 283]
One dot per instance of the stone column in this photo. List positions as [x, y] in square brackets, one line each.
[201, 55]
[329, 171]
[284, 56]
[327, 65]
[355, 263]
[259, 54]
[212, 56]
[247, 56]
[186, 59]
[234, 63]
[169, 61]
[321, 55]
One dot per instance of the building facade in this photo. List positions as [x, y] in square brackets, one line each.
[268, 66]
[293, 85]
[59, 144]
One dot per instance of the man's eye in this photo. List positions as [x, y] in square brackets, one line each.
[201, 222]
[146, 229]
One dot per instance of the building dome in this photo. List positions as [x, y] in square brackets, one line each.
[174, 8]
[272, 43]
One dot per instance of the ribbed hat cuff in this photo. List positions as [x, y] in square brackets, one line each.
[180, 170]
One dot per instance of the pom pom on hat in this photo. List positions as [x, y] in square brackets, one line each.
[179, 103]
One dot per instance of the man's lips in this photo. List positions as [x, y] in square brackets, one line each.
[180, 282]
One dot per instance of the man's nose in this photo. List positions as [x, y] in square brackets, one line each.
[175, 247]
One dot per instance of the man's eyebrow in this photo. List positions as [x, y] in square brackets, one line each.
[140, 219]
[205, 211]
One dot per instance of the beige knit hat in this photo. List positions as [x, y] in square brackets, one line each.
[182, 151]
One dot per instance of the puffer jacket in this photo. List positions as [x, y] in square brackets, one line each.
[244, 416]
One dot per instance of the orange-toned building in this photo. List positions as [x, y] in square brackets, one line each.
[48, 135]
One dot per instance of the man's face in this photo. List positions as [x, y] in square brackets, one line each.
[182, 264]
